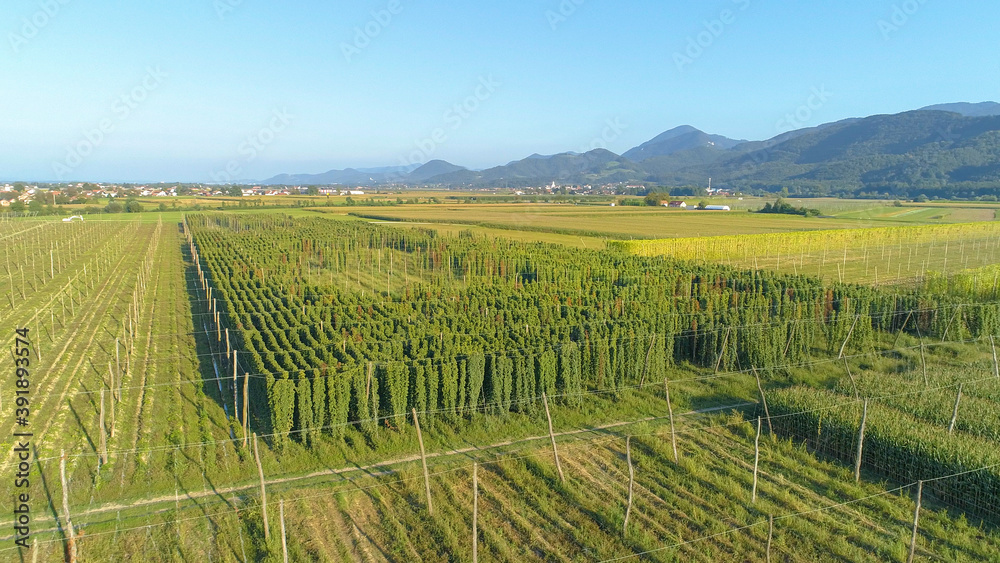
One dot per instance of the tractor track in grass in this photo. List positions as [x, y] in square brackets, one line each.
[71, 343]
[90, 418]
[146, 366]
[89, 323]
[374, 469]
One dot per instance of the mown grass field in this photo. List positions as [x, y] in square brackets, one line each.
[594, 221]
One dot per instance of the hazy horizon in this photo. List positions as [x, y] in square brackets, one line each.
[191, 93]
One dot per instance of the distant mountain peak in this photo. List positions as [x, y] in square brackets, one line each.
[682, 138]
[981, 109]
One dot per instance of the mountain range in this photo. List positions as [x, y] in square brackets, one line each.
[941, 147]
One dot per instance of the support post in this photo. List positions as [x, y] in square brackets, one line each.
[246, 409]
[722, 351]
[236, 394]
[631, 481]
[770, 535]
[923, 364]
[756, 463]
[996, 365]
[263, 490]
[763, 399]
[423, 461]
[916, 522]
[475, 513]
[950, 321]
[284, 542]
[70, 536]
[552, 437]
[954, 413]
[861, 442]
[923, 359]
[849, 332]
[104, 440]
[901, 329]
[645, 369]
[670, 412]
[854, 384]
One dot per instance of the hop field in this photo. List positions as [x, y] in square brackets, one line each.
[879, 256]
[344, 333]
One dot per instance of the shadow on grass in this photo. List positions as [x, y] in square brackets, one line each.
[210, 355]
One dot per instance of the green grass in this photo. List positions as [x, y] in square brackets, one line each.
[174, 418]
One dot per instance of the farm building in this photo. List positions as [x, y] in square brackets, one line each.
[717, 208]
[680, 204]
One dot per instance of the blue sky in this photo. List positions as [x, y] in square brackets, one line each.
[191, 90]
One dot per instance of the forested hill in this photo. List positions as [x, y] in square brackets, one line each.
[920, 150]
[934, 152]
[904, 154]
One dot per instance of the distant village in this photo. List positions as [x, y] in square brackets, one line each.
[86, 193]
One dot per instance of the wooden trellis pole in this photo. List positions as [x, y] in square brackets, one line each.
[916, 522]
[950, 321]
[104, 440]
[861, 443]
[246, 408]
[763, 400]
[236, 395]
[284, 542]
[756, 463]
[849, 332]
[722, 351]
[71, 537]
[263, 490]
[423, 461]
[475, 513]
[954, 414]
[631, 481]
[923, 360]
[645, 369]
[552, 437]
[670, 412]
[854, 384]
[900, 333]
[770, 535]
[996, 365]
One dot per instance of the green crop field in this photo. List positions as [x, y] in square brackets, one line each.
[604, 221]
[879, 255]
[346, 329]
[594, 222]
